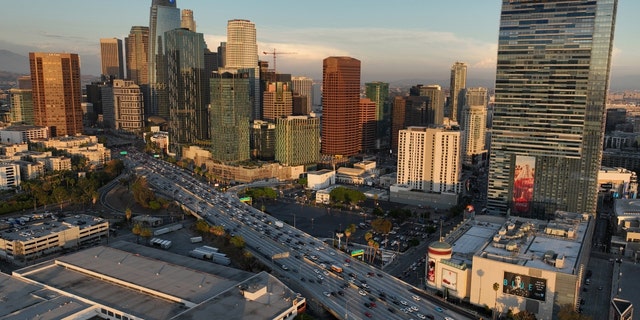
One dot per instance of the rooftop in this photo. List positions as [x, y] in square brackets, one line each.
[549, 245]
[42, 227]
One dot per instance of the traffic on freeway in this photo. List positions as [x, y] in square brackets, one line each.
[346, 287]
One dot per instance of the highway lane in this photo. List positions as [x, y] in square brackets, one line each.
[391, 296]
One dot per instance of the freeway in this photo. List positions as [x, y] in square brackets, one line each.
[346, 287]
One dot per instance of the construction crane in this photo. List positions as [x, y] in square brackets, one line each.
[274, 53]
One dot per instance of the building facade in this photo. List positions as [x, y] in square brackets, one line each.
[9, 175]
[112, 58]
[457, 84]
[57, 94]
[429, 160]
[164, 16]
[21, 101]
[277, 100]
[368, 123]
[187, 21]
[341, 132]
[378, 92]
[128, 106]
[230, 115]
[241, 52]
[436, 102]
[137, 53]
[303, 86]
[548, 120]
[474, 124]
[263, 140]
[297, 140]
[187, 84]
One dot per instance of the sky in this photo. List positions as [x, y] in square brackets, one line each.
[394, 40]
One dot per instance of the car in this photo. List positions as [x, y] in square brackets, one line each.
[403, 302]
[600, 288]
[414, 308]
[368, 314]
[340, 292]
[416, 298]
[438, 309]
[379, 275]
[373, 304]
[284, 267]
[347, 260]
[327, 294]
[362, 293]
[325, 273]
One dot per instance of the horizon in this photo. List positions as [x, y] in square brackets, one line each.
[401, 48]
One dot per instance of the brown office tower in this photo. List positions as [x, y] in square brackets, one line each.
[341, 129]
[57, 95]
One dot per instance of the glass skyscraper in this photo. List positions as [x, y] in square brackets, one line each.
[164, 16]
[548, 124]
[230, 114]
[187, 84]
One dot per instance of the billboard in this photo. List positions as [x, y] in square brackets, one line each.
[523, 181]
[431, 271]
[524, 286]
[449, 279]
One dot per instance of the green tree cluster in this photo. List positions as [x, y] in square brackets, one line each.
[342, 195]
[261, 193]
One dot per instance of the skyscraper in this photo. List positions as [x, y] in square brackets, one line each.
[128, 108]
[230, 115]
[186, 86]
[458, 82]
[474, 124]
[137, 52]
[303, 86]
[241, 52]
[57, 95]
[368, 122]
[341, 130]
[164, 16]
[436, 105]
[186, 20]
[552, 76]
[112, 58]
[378, 92]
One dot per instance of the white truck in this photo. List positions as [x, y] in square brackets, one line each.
[196, 239]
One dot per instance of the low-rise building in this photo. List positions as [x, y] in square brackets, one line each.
[324, 196]
[40, 237]
[18, 134]
[320, 179]
[9, 175]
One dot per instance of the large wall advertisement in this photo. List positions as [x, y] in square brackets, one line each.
[431, 271]
[523, 181]
[449, 279]
[524, 286]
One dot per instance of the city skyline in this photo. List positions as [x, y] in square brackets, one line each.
[303, 29]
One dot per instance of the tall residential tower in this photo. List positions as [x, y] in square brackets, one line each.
[552, 77]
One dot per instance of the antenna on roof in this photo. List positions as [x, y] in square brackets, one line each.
[441, 239]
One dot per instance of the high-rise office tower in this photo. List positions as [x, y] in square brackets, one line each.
[436, 105]
[297, 140]
[187, 85]
[241, 52]
[410, 111]
[186, 20]
[378, 92]
[552, 77]
[300, 105]
[277, 100]
[368, 113]
[458, 83]
[303, 86]
[137, 52]
[429, 159]
[474, 124]
[230, 115]
[57, 95]
[164, 16]
[341, 129]
[112, 58]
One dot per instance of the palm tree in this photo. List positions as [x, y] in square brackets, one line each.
[376, 247]
[496, 287]
[137, 229]
[127, 214]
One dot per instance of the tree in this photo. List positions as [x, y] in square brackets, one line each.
[127, 214]
[202, 226]
[237, 241]
[217, 231]
[137, 229]
[60, 194]
[146, 233]
[524, 315]
[496, 287]
[350, 230]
